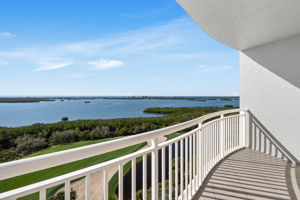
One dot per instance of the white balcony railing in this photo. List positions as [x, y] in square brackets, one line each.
[179, 164]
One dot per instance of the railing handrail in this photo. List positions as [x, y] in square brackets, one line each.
[27, 165]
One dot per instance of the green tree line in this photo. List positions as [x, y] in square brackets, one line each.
[18, 142]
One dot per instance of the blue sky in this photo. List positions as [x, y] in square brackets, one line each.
[115, 47]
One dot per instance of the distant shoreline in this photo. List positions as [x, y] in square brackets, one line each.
[40, 99]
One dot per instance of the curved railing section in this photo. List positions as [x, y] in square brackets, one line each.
[172, 169]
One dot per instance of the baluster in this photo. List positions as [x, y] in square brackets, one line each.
[186, 166]
[67, 190]
[199, 163]
[233, 139]
[105, 184]
[190, 162]
[254, 134]
[265, 143]
[202, 155]
[210, 145]
[154, 169]
[43, 194]
[242, 130]
[163, 173]
[226, 133]
[231, 134]
[133, 179]
[204, 151]
[234, 133]
[240, 133]
[88, 186]
[222, 136]
[194, 163]
[246, 123]
[181, 168]
[231, 126]
[170, 171]
[259, 140]
[121, 181]
[208, 148]
[145, 177]
[176, 170]
[218, 140]
[270, 147]
[215, 142]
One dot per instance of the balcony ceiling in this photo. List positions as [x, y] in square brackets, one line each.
[243, 24]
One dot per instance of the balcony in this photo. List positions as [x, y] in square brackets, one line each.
[223, 155]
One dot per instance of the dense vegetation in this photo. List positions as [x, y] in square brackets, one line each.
[22, 141]
[23, 99]
[39, 99]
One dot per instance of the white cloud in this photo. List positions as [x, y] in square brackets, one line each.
[178, 41]
[203, 69]
[102, 64]
[160, 40]
[6, 35]
[52, 66]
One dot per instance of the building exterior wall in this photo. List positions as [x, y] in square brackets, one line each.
[270, 88]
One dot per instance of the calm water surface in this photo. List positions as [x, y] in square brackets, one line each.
[20, 114]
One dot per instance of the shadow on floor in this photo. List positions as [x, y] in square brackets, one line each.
[248, 174]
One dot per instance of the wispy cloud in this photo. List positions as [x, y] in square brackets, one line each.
[52, 66]
[4, 35]
[203, 69]
[174, 40]
[102, 64]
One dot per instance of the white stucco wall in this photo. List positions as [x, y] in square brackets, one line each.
[270, 88]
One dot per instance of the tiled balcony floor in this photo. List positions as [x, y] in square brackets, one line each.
[248, 174]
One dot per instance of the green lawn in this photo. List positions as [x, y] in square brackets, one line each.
[19, 181]
[173, 135]
[26, 179]
[63, 147]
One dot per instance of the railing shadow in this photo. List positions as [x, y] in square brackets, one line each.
[242, 175]
[262, 140]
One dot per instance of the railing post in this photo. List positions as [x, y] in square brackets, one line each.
[88, 185]
[199, 164]
[222, 137]
[242, 131]
[120, 182]
[105, 184]
[67, 189]
[43, 194]
[154, 169]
